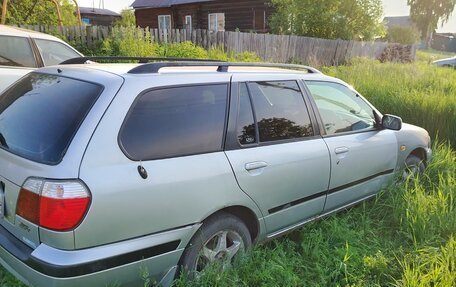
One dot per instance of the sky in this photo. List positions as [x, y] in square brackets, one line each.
[114, 5]
[392, 8]
[400, 8]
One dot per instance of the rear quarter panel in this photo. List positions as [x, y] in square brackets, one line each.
[16, 169]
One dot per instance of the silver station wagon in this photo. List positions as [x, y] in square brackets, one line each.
[110, 169]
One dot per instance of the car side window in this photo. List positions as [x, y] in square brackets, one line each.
[280, 111]
[341, 109]
[245, 123]
[53, 52]
[175, 121]
[16, 52]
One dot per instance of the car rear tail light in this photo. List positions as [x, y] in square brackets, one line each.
[56, 205]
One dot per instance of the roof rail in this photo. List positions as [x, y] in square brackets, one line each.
[221, 66]
[142, 60]
[153, 64]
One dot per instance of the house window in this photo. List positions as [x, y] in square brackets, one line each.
[188, 22]
[164, 22]
[217, 22]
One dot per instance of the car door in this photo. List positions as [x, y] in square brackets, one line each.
[363, 156]
[277, 155]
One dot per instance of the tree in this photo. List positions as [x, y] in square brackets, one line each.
[330, 19]
[127, 19]
[39, 12]
[428, 13]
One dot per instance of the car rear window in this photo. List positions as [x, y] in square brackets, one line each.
[41, 113]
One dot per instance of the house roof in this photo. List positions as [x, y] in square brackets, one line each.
[401, 21]
[97, 11]
[138, 4]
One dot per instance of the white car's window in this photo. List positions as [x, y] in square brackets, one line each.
[16, 51]
[54, 53]
[341, 109]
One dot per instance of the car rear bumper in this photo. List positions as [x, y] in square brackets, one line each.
[123, 263]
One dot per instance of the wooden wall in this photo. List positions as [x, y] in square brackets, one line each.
[149, 17]
[244, 15]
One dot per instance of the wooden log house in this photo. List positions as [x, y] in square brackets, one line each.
[214, 15]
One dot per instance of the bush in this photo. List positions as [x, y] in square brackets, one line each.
[129, 42]
[218, 54]
[246, 57]
[403, 35]
[181, 50]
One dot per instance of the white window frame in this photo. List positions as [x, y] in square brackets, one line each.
[160, 22]
[188, 22]
[219, 17]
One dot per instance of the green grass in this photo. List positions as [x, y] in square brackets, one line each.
[405, 237]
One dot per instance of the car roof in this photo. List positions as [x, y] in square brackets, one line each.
[21, 32]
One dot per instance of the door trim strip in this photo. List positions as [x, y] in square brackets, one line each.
[324, 193]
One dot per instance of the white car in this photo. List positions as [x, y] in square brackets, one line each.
[22, 51]
[448, 62]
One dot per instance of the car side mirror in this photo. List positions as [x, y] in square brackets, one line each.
[392, 122]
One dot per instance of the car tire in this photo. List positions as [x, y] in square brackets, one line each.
[219, 240]
[413, 166]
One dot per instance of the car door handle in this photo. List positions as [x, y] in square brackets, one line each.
[255, 165]
[340, 150]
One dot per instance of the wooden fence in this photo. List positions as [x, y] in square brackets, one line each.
[273, 48]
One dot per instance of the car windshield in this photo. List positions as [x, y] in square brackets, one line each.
[41, 113]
